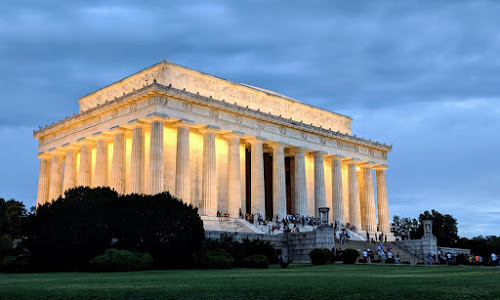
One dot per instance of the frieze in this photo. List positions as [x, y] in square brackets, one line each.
[214, 113]
[282, 130]
[238, 119]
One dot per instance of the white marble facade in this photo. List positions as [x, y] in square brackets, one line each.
[205, 139]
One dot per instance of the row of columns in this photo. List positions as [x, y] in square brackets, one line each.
[50, 179]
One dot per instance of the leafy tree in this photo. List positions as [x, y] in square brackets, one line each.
[405, 228]
[12, 215]
[444, 227]
[66, 234]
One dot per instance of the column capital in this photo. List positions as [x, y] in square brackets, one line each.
[336, 157]
[118, 129]
[234, 135]
[319, 153]
[366, 165]
[157, 117]
[277, 145]
[136, 123]
[100, 136]
[380, 167]
[69, 146]
[184, 123]
[256, 140]
[44, 155]
[353, 161]
[296, 150]
[85, 142]
[56, 151]
[209, 129]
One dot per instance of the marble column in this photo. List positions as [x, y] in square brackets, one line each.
[319, 182]
[182, 176]
[137, 160]
[69, 180]
[233, 175]
[56, 168]
[300, 182]
[258, 198]
[101, 162]
[156, 164]
[337, 192]
[85, 171]
[118, 167]
[383, 206]
[369, 200]
[209, 195]
[354, 207]
[279, 183]
[43, 180]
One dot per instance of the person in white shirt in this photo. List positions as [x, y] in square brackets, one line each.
[389, 254]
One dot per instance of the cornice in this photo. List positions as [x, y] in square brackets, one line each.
[169, 91]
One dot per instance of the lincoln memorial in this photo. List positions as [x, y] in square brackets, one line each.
[218, 145]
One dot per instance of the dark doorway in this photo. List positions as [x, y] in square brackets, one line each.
[248, 181]
[268, 184]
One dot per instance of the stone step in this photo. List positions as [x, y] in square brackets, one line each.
[361, 245]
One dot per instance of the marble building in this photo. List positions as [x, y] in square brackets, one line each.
[217, 145]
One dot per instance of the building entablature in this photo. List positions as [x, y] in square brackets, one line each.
[158, 95]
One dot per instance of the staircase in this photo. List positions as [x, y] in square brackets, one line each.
[228, 225]
[395, 249]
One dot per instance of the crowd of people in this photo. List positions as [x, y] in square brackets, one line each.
[289, 224]
[384, 254]
[447, 258]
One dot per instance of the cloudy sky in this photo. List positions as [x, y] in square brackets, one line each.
[422, 75]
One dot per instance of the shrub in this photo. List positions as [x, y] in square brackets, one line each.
[320, 256]
[244, 249]
[5, 245]
[255, 261]
[16, 264]
[114, 260]
[350, 256]
[217, 259]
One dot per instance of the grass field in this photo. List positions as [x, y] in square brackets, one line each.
[296, 282]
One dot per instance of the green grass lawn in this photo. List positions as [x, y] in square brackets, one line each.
[299, 281]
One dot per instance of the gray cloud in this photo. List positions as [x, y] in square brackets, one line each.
[421, 76]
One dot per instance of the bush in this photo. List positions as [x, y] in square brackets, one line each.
[16, 264]
[5, 245]
[350, 256]
[217, 259]
[320, 256]
[244, 249]
[255, 261]
[114, 260]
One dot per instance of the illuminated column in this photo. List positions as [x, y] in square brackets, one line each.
[354, 207]
[43, 180]
[337, 192]
[137, 159]
[369, 200]
[319, 182]
[209, 179]
[383, 206]
[182, 176]
[101, 162]
[300, 182]
[56, 167]
[85, 171]
[257, 177]
[118, 163]
[233, 175]
[156, 164]
[69, 180]
[279, 183]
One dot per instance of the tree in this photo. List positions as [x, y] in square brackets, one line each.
[66, 234]
[405, 228]
[12, 215]
[444, 227]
